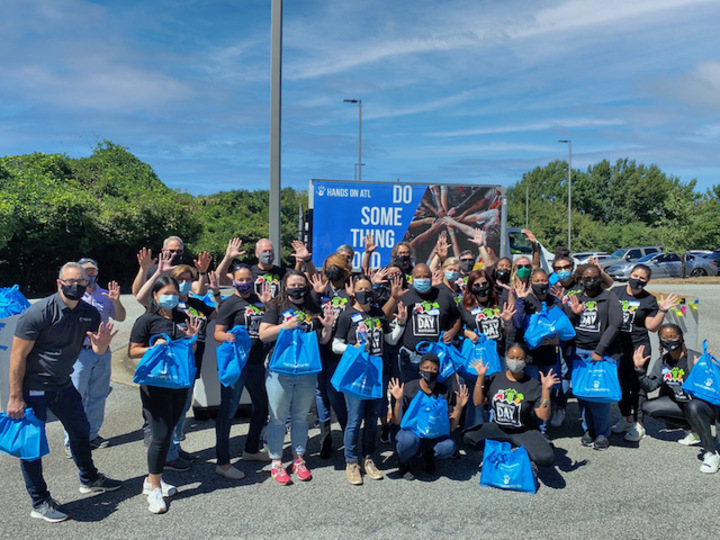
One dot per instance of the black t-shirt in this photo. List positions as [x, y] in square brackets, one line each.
[248, 312]
[338, 300]
[372, 324]
[635, 310]
[484, 319]
[513, 402]
[277, 314]
[428, 315]
[197, 308]
[273, 276]
[152, 324]
[58, 333]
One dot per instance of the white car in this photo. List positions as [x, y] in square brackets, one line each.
[583, 256]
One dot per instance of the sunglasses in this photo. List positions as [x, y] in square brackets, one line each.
[523, 266]
[467, 260]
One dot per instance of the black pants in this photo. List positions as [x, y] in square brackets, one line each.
[633, 395]
[162, 407]
[537, 447]
[696, 413]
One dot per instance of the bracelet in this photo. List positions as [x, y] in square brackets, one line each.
[663, 310]
[216, 294]
[204, 273]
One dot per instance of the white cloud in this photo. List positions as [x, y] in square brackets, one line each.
[537, 126]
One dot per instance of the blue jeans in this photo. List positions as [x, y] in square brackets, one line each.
[252, 375]
[67, 406]
[595, 416]
[325, 394]
[359, 410]
[408, 445]
[91, 377]
[288, 396]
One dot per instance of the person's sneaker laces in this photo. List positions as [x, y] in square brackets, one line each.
[98, 443]
[178, 464]
[156, 502]
[587, 439]
[49, 511]
[690, 438]
[601, 443]
[558, 418]
[300, 469]
[621, 426]
[711, 463]
[635, 433]
[101, 484]
[371, 469]
[279, 474]
[352, 471]
[167, 489]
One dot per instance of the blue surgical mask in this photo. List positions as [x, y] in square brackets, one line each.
[185, 287]
[451, 275]
[92, 280]
[168, 301]
[564, 275]
[422, 285]
[243, 288]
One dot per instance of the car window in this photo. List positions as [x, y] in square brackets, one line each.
[519, 243]
[646, 258]
[634, 254]
[651, 250]
[618, 254]
[672, 257]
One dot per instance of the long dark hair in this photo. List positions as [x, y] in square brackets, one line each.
[470, 301]
[162, 281]
[282, 299]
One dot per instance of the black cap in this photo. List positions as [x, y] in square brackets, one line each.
[430, 357]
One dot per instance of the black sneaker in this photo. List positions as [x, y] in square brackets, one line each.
[101, 484]
[404, 471]
[178, 464]
[587, 439]
[98, 443]
[385, 434]
[187, 456]
[601, 443]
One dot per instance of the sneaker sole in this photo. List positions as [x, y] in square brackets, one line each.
[87, 489]
[170, 493]
[692, 443]
[176, 469]
[38, 515]
[708, 471]
[159, 510]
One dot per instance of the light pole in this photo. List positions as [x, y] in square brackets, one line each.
[360, 163]
[569, 143]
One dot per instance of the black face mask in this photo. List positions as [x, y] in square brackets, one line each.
[467, 266]
[592, 285]
[74, 291]
[333, 273]
[637, 284]
[481, 292]
[403, 261]
[502, 276]
[363, 297]
[540, 289]
[429, 376]
[671, 346]
[297, 293]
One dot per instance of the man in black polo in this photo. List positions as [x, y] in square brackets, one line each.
[47, 341]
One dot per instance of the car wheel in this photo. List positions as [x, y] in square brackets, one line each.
[698, 272]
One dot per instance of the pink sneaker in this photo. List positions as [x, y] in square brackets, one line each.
[279, 474]
[299, 468]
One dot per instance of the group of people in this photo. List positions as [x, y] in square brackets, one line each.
[60, 359]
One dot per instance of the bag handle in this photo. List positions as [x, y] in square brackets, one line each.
[158, 336]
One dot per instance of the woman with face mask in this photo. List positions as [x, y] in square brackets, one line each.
[408, 444]
[162, 407]
[675, 408]
[329, 291]
[641, 313]
[518, 402]
[364, 325]
[452, 279]
[243, 308]
[291, 396]
[597, 317]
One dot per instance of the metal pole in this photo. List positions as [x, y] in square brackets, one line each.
[359, 140]
[275, 123]
[527, 206]
[569, 192]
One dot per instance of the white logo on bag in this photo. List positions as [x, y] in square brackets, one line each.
[506, 479]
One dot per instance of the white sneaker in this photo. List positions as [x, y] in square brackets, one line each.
[711, 463]
[167, 489]
[156, 503]
[690, 438]
[636, 433]
[621, 426]
[558, 418]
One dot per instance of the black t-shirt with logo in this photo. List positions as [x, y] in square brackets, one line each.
[669, 375]
[197, 308]
[248, 312]
[513, 402]
[484, 319]
[278, 314]
[428, 315]
[337, 300]
[355, 326]
[273, 276]
[635, 310]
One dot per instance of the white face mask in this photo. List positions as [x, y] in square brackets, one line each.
[515, 366]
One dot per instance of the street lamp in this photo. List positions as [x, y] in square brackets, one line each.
[569, 143]
[360, 163]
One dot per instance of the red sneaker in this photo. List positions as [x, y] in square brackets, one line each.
[279, 474]
[300, 469]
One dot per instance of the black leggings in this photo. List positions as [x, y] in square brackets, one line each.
[162, 407]
[696, 413]
[633, 395]
[668, 411]
[537, 447]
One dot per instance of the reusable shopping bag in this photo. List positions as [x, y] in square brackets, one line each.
[358, 374]
[296, 353]
[24, 438]
[450, 358]
[595, 381]
[485, 350]
[12, 302]
[233, 355]
[506, 468]
[427, 416]
[167, 365]
[548, 323]
[704, 379]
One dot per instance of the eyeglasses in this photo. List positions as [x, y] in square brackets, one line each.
[566, 267]
[71, 282]
[174, 250]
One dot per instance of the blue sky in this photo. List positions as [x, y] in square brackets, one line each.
[460, 90]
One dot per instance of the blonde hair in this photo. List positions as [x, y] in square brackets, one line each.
[451, 261]
[181, 269]
[514, 279]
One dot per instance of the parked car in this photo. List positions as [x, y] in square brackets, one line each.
[706, 265]
[583, 256]
[662, 265]
[632, 254]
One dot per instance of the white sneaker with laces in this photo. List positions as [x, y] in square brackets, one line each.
[558, 418]
[621, 426]
[156, 502]
[711, 463]
[690, 438]
[167, 489]
[636, 433]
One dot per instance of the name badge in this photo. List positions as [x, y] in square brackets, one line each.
[356, 318]
[434, 311]
[476, 311]
[36, 393]
[289, 313]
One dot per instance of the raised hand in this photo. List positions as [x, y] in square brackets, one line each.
[233, 248]
[102, 338]
[113, 291]
[441, 246]
[507, 313]
[317, 283]
[530, 235]
[557, 290]
[328, 319]
[301, 251]
[522, 290]
[164, 264]
[214, 282]
[478, 237]
[401, 314]
[396, 388]
[480, 368]
[378, 276]
[145, 259]
[396, 287]
[193, 326]
[437, 278]
[370, 244]
[639, 358]
[265, 293]
[202, 263]
[669, 301]
[575, 304]
[462, 395]
[549, 380]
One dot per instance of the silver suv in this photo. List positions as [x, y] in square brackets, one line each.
[631, 254]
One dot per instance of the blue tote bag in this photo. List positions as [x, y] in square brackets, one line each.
[548, 323]
[358, 374]
[595, 381]
[296, 353]
[506, 468]
[24, 438]
[167, 365]
[427, 416]
[233, 355]
[12, 302]
[450, 358]
[704, 379]
[484, 350]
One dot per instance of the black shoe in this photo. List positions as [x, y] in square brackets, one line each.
[178, 464]
[385, 434]
[98, 443]
[325, 440]
[587, 439]
[429, 459]
[187, 456]
[601, 443]
[101, 484]
[404, 471]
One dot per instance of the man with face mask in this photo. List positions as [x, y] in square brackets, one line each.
[402, 255]
[91, 372]
[48, 339]
[265, 271]
[431, 311]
